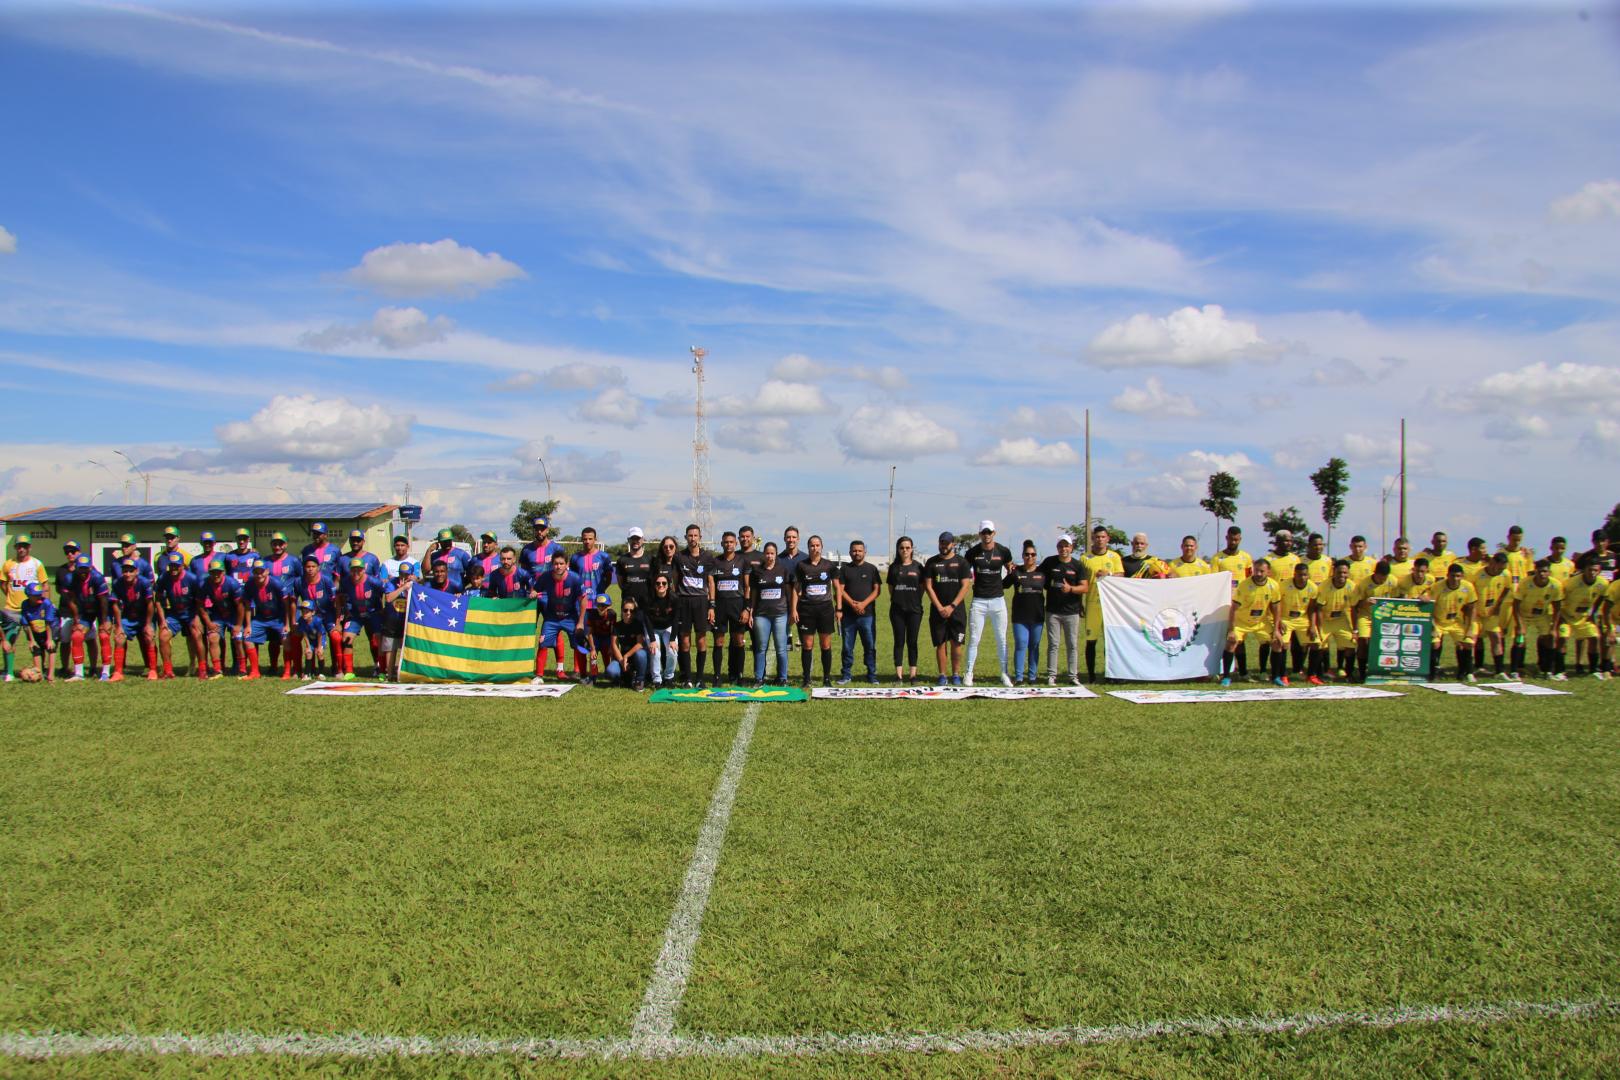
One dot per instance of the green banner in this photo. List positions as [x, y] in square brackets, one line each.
[1399, 648]
[731, 693]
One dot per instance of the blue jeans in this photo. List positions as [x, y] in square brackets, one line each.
[1026, 648]
[769, 628]
[663, 649]
[866, 627]
[638, 667]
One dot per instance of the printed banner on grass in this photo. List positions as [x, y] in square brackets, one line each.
[1165, 629]
[467, 639]
[948, 693]
[729, 694]
[465, 690]
[1398, 650]
[1525, 689]
[1456, 689]
[1267, 693]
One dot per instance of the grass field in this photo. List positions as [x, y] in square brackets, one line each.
[221, 858]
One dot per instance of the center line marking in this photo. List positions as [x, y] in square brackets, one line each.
[654, 1027]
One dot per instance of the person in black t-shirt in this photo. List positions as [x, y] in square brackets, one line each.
[813, 608]
[948, 579]
[768, 589]
[628, 656]
[634, 569]
[1067, 581]
[1028, 584]
[859, 585]
[905, 579]
[730, 607]
[659, 614]
[747, 548]
[694, 602]
[989, 561]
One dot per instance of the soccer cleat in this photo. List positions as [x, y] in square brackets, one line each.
[1600, 676]
[843, 680]
[1314, 681]
[347, 676]
[1558, 676]
[1513, 676]
[1006, 680]
[1226, 680]
[105, 676]
[1470, 678]
[1281, 680]
[151, 676]
[117, 676]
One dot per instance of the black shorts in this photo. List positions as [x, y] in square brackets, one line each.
[691, 613]
[942, 630]
[728, 617]
[815, 620]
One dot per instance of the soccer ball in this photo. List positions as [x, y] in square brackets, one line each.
[29, 674]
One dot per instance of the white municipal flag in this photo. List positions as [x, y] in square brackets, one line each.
[1163, 629]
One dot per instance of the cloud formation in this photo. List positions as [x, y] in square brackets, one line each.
[874, 433]
[772, 435]
[303, 432]
[1152, 399]
[568, 464]
[442, 268]
[1517, 428]
[575, 376]
[1595, 201]
[775, 397]
[615, 406]
[1029, 453]
[390, 327]
[1188, 338]
[1568, 386]
[8, 241]
[798, 367]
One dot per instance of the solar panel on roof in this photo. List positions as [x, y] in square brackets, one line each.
[207, 512]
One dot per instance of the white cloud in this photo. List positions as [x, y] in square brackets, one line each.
[440, 268]
[798, 367]
[1374, 450]
[1596, 200]
[1166, 491]
[775, 397]
[1187, 337]
[566, 464]
[615, 406]
[303, 432]
[1048, 422]
[1343, 372]
[575, 376]
[1029, 453]
[1199, 464]
[1570, 387]
[1604, 438]
[879, 434]
[8, 241]
[1517, 428]
[771, 435]
[1152, 399]
[390, 327]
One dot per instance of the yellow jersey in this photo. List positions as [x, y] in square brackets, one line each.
[1401, 570]
[1449, 604]
[1521, 563]
[1536, 601]
[16, 576]
[1296, 602]
[1562, 570]
[1320, 569]
[1490, 589]
[1338, 602]
[1240, 566]
[1439, 564]
[1282, 567]
[1252, 602]
[1581, 600]
[1411, 590]
[1180, 567]
[1361, 569]
[1613, 595]
[1473, 571]
[1108, 560]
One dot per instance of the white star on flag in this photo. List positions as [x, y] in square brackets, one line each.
[435, 611]
[455, 605]
[452, 622]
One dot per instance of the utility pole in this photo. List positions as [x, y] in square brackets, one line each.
[702, 503]
[1403, 531]
[891, 508]
[547, 474]
[146, 498]
[1085, 533]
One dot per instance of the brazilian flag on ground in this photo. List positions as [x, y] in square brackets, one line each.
[731, 693]
[450, 638]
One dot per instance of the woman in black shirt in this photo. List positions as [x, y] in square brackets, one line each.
[1028, 583]
[905, 583]
[659, 615]
[769, 584]
[627, 647]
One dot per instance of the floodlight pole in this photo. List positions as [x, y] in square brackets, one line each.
[1402, 519]
[891, 507]
[1085, 532]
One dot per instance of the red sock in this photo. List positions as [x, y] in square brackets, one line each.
[290, 658]
[104, 639]
[168, 668]
[376, 651]
[118, 659]
[78, 645]
[253, 659]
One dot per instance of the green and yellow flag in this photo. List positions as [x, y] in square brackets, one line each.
[450, 638]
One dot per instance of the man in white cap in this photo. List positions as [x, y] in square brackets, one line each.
[633, 570]
[989, 561]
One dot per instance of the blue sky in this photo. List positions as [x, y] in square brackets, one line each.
[277, 252]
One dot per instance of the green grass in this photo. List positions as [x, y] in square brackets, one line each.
[215, 857]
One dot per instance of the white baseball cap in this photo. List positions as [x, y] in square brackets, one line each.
[1066, 539]
[987, 525]
[635, 530]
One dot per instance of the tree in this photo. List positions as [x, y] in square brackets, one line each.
[1082, 542]
[528, 510]
[1222, 501]
[1611, 525]
[461, 533]
[1290, 519]
[1331, 482]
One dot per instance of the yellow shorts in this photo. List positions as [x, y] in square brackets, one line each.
[1094, 622]
[1338, 634]
[1300, 632]
[1239, 633]
[1539, 628]
[1364, 627]
[1456, 634]
[1586, 630]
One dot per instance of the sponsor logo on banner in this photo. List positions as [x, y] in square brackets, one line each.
[725, 694]
[1165, 629]
[473, 690]
[1270, 693]
[949, 693]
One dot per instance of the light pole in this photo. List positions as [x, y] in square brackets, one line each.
[146, 477]
[1383, 524]
[96, 496]
[547, 474]
[112, 474]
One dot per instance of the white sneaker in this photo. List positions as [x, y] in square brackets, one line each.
[967, 680]
[1006, 680]
[1558, 676]
[1470, 678]
[1051, 680]
[1074, 680]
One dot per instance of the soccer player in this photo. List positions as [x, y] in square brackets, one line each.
[1282, 557]
[1418, 584]
[562, 609]
[593, 565]
[282, 565]
[1611, 621]
[731, 608]
[634, 569]
[357, 550]
[133, 616]
[1317, 563]
[1493, 610]
[1584, 595]
[1067, 582]
[87, 603]
[1232, 558]
[813, 607]
[600, 623]
[239, 560]
[1141, 563]
[64, 584]
[472, 581]
[326, 553]
[268, 608]
[1559, 568]
[1028, 584]
[768, 588]
[171, 553]
[315, 611]
[395, 602]
[948, 580]
[1521, 560]
[1379, 584]
[18, 572]
[199, 563]
[1455, 604]
[1188, 564]
[444, 552]
[693, 585]
[904, 578]
[859, 585]
[489, 553]
[1400, 562]
[178, 595]
[1335, 611]
[1254, 612]
[507, 581]
[1297, 626]
[439, 578]
[362, 598]
[222, 613]
[1601, 550]
[1440, 557]
[747, 548]
[989, 561]
[535, 557]
[402, 555]
[1536, 614]
[41, 628]
[1361, 564]
[129, 550]
[1100, 560]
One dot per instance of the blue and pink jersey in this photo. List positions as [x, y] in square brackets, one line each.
[199, 563]
[317, 599]
[266, 602]
[536, 558]
[595, 569]
[134, 598]
[363, 600]
[178, 596]
[239, 564]
[220, 598]
[88, 592]
[287, 569]
[561, 599]
[329, 554]
[502, 585]
[455, 561]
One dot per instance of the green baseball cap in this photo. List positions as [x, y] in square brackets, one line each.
[446, 534]
[170, 530]
[24, 539]
[127, 538]
[279, 536]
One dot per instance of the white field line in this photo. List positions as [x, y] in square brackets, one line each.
[654, 1025]
[39, 1045]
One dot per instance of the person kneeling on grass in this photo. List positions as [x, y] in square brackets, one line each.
[597, 645]
[627, 648]
[41, 627]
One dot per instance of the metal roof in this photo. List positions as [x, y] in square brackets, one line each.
[206, 512]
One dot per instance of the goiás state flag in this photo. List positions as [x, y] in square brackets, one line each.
[1163, 629]
[451, 638]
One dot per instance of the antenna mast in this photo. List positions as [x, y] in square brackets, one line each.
[702, 503]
